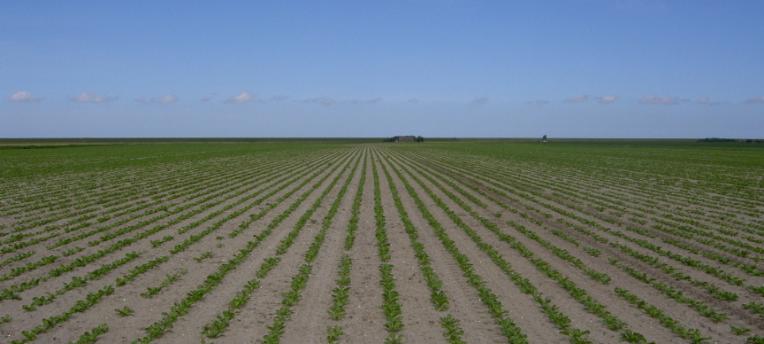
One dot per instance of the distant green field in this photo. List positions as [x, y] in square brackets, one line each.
[33, 160]
[735, 167]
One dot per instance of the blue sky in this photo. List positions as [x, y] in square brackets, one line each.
[588, 68]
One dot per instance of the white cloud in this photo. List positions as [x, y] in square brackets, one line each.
[323, 101]
[607, 99]
[755, 100]
[413, 100]
[166, 99]
[23, 97]
[86, 97]
[241, 98]
[578, 99]
[661, 100]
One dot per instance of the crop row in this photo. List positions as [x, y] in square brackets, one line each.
[578, 293]
[509, 329]
[300, 280]
[568, 214]
[391, 305]
[451, 328]
[10, 291]
[341, 292]
[182, 307]
[90, 301]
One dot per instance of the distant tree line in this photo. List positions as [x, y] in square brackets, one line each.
[721, 139]
[409, 138]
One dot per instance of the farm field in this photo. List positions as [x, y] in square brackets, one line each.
[356, 242]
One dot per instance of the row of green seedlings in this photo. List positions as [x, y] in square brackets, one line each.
[693, 335]
[176, 171]
[300, 280]
[87, 209]
[178, 209]
[121, 283]
[529, 214]
[158, 328]
[391, 305]
[83, 261]
[122, 207]
[78, 282]
[561, 253]
[11, 292]
[452, 330]
[578, 208]
[707, 237]
[687, 261]
[220, 324]
[20, 270]
[104, 212]
[190, 193]
[284, 215]
[50, 322]
[91, 337]
[267, 171]
[755, 308]
[204, 256]
[710, 288]
[53, 194]
[168, 281]
[60, 270]
[698, 306]
[586, 222]
[626, 178]
[93, 298]
[672, 220]
[712, 240]
[681, 231]
[62, 197]
[108, 216]
[341, 293]
[671, 292]
[592, 251]
[66, 199]
[271, 175]
[285, 180]
[255, 217]
[559, 319]
[750, 269]
[15, 258]
[568, 189]
[508, 328]
[112, 187]
[689, 216]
